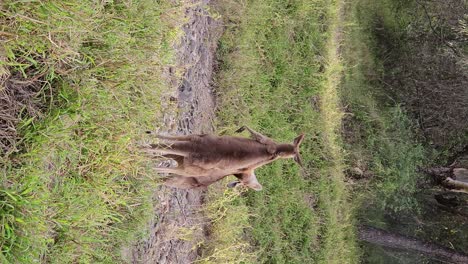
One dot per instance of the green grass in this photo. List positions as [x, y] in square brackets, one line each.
[78, 190]
[279, 73]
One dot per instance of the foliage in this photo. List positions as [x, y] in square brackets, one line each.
[379, 132]
[397, 76]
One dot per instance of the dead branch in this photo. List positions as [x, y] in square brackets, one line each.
[392, 240]
[456, 185]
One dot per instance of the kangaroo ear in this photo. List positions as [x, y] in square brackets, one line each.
[298, 140]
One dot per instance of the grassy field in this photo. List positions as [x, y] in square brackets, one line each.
[75, 189]
[287, 56]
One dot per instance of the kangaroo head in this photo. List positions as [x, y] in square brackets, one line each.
[297, 156]
[286, 151]
[290, 150]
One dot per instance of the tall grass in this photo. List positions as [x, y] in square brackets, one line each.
[78, 190]
[278, 66]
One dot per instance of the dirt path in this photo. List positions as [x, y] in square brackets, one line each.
[178, 224]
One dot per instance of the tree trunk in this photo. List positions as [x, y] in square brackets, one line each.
[451, 178]
[391, 240]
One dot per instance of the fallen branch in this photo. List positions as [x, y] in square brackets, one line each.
[456, 185]
[384, 238]
[454, 179]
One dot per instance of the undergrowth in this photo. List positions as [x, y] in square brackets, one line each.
[401, 83]
[381, 136]
[76, 190]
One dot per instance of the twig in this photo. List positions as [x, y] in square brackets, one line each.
[434, 31]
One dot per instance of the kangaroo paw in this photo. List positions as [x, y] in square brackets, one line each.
[232, 184]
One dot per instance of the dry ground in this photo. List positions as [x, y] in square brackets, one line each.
[178, 226]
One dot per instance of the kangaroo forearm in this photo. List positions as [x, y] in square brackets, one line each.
[256, 135]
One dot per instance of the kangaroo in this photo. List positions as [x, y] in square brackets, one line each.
[204, 159]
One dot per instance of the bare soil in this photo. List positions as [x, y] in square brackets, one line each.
[20, 97]
[178, 227]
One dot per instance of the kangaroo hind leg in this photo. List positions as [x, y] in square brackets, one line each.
[164, 150]
[177, 158]
[171, 170]
[177, 138]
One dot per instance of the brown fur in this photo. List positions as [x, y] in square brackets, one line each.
[205, 159]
